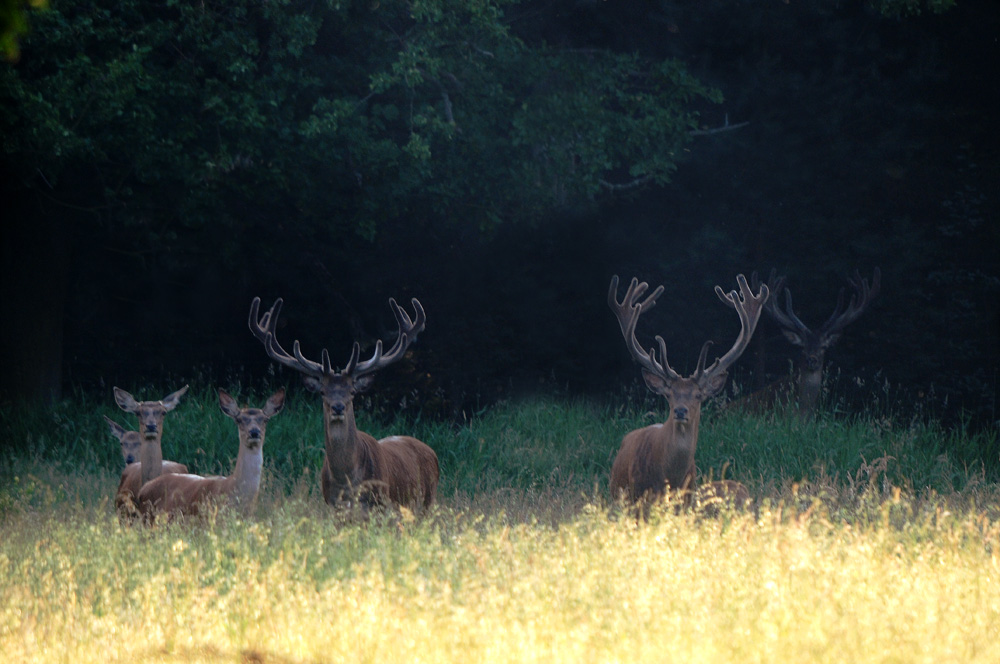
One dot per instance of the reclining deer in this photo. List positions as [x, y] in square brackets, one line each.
[809, 374]
[660, 458]
[148, 464]
[184, 494]
[357, 469]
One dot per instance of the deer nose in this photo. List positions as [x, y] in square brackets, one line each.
[337, 408]
[151, 428]
[254, 432]
[681, 413]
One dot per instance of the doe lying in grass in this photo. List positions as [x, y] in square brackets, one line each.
[188, 494]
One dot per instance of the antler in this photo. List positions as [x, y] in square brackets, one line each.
[842, 315]
[863, 294]
[628, 311]
[265, 328]
[749, 307]
[408, 331]
[776, 285]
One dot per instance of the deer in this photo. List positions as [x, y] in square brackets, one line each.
[130, 441]
[659, 458]
[149, 463]
[183, 494]
[808, 379]
[359, 471]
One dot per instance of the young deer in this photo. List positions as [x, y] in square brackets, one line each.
[809, 378]
[357, 469]
[185, 494]
[149, 464]
[660, 457]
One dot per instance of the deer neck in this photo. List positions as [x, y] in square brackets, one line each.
[679, 438]
[341, 442]
[151, 457]
[245, 480]
[810, 386]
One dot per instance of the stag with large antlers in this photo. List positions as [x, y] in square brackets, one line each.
[357, 469]
[149, 464]
[813, 345]
[660, 457]
[184, 494]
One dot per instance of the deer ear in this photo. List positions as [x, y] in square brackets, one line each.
[275, 403]
[171, 400]
[715, 384]
[828, 340]
[125, 401]
[363, 383]
[793, 337]
[655, 382]
[228, 404]
[116, 429]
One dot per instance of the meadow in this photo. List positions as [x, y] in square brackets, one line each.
[871, 539]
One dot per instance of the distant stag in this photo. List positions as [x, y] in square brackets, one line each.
[660, 457]
[148, 464]
[808, 379]
[183, 494]
[357, 469]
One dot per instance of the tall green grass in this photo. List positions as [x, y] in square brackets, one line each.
[540, 444]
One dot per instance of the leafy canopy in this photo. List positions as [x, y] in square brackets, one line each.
[188, 114]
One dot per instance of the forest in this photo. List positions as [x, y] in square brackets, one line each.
[164, 164]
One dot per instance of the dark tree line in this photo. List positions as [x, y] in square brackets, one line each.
[500, 161]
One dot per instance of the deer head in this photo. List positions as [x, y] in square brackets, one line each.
[685, 394]
[337, 387]
[130, 440]
[814, 344]
[150, 415]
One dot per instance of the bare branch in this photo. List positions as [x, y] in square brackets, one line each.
[718, 130]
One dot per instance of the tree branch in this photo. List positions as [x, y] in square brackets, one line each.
[716, 130]
[624, 186]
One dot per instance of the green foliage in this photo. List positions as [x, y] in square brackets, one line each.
[902, 8]
[180, 116]
[14, 25]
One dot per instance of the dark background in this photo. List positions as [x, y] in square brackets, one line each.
[869, 142]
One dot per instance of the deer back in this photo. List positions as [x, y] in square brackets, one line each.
[180, 494]
[411, 470]
[127, 496]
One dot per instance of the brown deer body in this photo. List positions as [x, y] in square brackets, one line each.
[660, 457]
[357, 469]
[813, 345]
[149, 464]
[184, 494]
